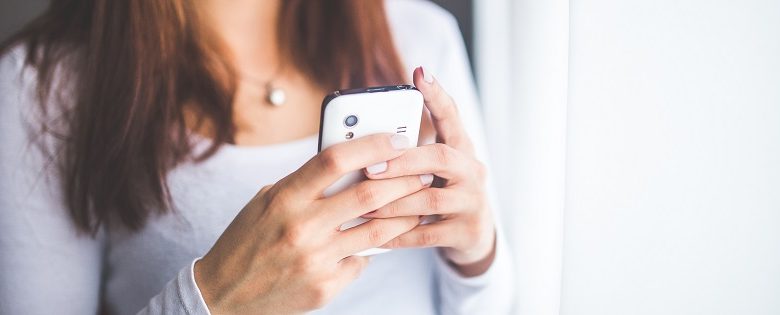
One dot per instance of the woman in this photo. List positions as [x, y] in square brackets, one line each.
[138, 136]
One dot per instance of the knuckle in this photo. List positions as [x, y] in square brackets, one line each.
[377, 236]
[330, 161]
[434, 199]
[427, 239]
[319, 294]
[366, 194]
[402, 164]
[392, 209]
[443, 154]
[394, 243]
[264, 190]
[267, 188]
[354, 269]
[293, 235]
[263, 195]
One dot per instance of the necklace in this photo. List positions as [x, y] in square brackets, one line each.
[274, 95]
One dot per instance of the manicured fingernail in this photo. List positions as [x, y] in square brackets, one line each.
[426, 219]
[427, 76]
[377, 168]
[426, 179]
[399, 142]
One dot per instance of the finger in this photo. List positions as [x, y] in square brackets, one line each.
[439, 159]
[444, 112]
[439, 234]
[425, 202]
[336, 161]
[372, 234]
[347, 270]
[352, 266]
[368, 196]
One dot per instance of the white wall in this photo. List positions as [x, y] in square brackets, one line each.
[521, 56]
[673, 158]
[668, 122]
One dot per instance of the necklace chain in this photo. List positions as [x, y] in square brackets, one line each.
[274, 95]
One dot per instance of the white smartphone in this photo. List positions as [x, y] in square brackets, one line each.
[355, 113]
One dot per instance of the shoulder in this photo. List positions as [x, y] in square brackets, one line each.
[419, 14]
[16, 85]
[21, 113]
[14, 55]
[19, 85]
[12, 65]
[422, 30]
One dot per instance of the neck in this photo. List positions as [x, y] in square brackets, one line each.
[248, 29]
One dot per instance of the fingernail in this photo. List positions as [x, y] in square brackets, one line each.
[427, 76]
[426, 219]
[399, 142]
[426, 179]
[377, 168]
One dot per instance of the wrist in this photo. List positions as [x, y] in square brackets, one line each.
[201, 275]
[474, 262]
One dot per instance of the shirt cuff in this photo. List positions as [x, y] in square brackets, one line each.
[190, 294]
[450, 275]
[488, 293]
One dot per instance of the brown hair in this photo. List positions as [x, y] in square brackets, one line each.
[135, 64]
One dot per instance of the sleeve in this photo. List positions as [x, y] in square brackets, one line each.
[47, 266]
[491, 292]
[181, 295]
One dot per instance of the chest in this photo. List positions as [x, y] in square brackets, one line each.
[206, 197]
[258, 122]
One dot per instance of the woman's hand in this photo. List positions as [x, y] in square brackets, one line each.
[284, 252]
[465, 231]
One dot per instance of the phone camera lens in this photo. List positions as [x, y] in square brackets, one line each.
[350, 121]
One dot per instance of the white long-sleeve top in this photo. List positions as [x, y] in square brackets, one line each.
[46, 267]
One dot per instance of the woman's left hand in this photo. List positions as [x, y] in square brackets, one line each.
[466, 230]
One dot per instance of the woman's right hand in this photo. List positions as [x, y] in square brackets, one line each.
[284, 252]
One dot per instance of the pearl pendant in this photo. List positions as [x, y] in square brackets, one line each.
[276, 96]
